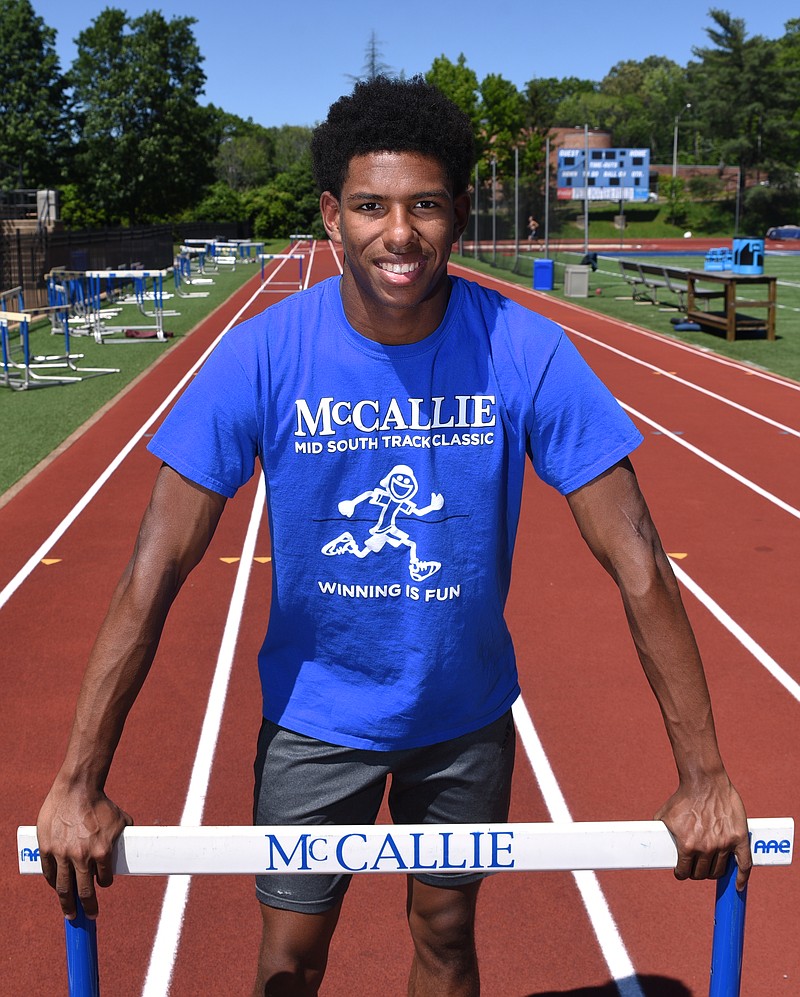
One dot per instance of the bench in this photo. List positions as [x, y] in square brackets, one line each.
[632, 275]
[654, 280]
[647, 279]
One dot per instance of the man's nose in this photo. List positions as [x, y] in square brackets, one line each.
[399, 233]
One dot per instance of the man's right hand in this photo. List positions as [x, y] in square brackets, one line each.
[76, 832]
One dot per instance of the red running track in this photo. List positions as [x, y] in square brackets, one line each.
[728, 513]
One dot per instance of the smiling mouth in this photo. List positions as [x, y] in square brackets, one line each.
[400, 268]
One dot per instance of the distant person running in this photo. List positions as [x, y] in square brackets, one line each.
[533, 229]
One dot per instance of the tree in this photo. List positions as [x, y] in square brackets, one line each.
[145, 146]
[292, 145]
[288, 203]
[33, 125]
[502, 110]
[459, 83]
[373, 62]
[545, 95]
[246, 153]
[644, 98]
[738, 95]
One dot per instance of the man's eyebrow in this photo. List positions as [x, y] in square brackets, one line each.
[440, 192]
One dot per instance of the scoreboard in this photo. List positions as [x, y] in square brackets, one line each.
[609, 175]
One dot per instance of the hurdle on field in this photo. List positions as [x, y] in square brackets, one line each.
[109, 282]
[21, 368]
[182, 274]
[281, 285]
[409, 848]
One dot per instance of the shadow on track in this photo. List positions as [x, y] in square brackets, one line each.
[651, 986]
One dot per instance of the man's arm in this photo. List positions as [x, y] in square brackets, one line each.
[78, 824]
[705, 814]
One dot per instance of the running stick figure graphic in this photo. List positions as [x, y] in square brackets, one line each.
[394, 495]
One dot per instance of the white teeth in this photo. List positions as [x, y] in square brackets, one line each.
[400, 267]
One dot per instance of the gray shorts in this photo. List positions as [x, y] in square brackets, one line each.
[299, 780]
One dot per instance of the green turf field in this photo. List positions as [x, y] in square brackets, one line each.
[38, 420]
[781, 356]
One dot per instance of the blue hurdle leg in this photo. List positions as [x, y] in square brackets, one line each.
[728, 944]
[82, 969]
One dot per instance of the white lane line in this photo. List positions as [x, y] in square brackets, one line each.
[737, 631]
[81, 504]
[602, 920]
[311, 255]
[715, 463]
[688, 384]
[170, 924]
[336, 257]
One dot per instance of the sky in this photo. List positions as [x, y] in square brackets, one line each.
[285, 63]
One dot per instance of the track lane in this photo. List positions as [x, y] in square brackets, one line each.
[551, 903]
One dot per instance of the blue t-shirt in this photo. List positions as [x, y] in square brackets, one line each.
[394, 480]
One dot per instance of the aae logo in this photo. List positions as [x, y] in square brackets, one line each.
[782, 847]
[29, 855]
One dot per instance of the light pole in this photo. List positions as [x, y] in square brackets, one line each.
[675, 141]
[585, 189]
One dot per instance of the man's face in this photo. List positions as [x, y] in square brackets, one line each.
[396, 220]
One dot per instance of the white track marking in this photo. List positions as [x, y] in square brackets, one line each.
[336, 257]
[165, 946]
[600, 916]
[687, 384]
[744, 638]
[715, 463]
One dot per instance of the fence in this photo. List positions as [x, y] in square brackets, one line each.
[28, 252]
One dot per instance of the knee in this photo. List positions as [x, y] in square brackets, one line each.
[443, 924]
[294, 952]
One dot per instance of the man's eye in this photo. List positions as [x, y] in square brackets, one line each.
[369, 206]
[427, 204]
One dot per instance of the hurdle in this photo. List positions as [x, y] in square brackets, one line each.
[103, 332]
[410, 848]
[281, 285]
[20, 367]
[182, 274]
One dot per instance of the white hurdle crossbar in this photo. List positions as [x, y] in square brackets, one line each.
[410, 848]
[99, 281]
[281, 285]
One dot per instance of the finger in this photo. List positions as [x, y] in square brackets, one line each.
[702, 865]
[105, 863]
[48, 864]
[683, 868]
[65, 890]
[719, 865]
[744, 861]
[105, 870]
[84, 880]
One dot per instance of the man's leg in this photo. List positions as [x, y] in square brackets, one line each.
[294, 951]
[442, 923]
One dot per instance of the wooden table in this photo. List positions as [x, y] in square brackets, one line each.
[732, 319]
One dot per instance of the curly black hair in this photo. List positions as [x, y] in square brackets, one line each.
[393, 115]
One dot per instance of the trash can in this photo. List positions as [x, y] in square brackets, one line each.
[543, 275]
[576, 281]
[748, 256]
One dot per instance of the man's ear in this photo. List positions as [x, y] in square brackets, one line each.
[330, 211]
[462, 204]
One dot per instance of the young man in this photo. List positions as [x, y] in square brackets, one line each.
[392, 411]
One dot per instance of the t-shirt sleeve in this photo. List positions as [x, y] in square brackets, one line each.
[211, 435]
[579, 429]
